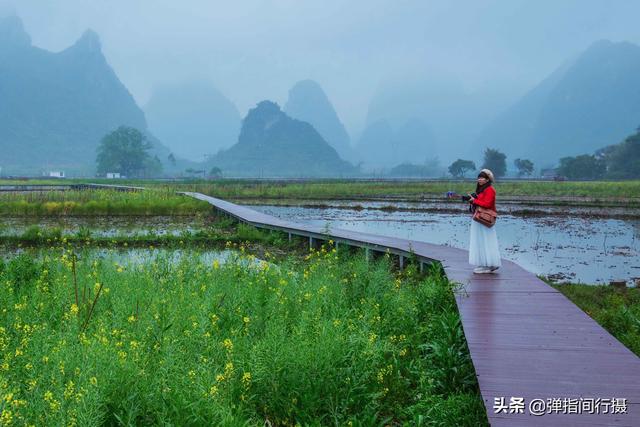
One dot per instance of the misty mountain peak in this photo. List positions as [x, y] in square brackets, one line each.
[273, 144]
[12, 32]
[265, 108]
[591, 102]
[265, 113]
[308, 102]
[88, 42]
[56, 106]
[603, 49]
[307, 86]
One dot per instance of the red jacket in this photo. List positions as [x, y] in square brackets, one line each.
[486, 199]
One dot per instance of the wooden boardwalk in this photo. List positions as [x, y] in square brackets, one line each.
[526, 339]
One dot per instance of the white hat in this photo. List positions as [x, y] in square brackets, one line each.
[489, 174]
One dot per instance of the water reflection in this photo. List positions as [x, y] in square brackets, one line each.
[106, 226]
[134, 257]
[565, 248]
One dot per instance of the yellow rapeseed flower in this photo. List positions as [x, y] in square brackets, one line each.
[69, 390]
[6, 417]
[228, 368]
[246, 378]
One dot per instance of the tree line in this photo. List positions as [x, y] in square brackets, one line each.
[618, 161]
[494, 160]
[126, 151]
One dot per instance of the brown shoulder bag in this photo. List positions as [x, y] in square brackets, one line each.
[484, 216]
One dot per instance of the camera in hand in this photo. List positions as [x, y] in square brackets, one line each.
[467, 198]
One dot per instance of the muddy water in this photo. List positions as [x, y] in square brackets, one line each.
[135, 257]
[564, 248]
[105, 226]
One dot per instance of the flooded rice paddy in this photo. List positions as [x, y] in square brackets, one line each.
[135, 257]
[570, 248]
[106, 226]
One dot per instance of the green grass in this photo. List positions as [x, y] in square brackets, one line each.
[157, 201]
[163, 200]
[410, 189]
[332, 340]
[617, 311]
[218, 234]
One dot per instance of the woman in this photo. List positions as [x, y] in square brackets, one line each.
[483, 241]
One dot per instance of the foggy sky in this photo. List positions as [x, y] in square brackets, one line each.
[257, 49]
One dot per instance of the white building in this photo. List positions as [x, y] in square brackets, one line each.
[113, 175]
[55, 174]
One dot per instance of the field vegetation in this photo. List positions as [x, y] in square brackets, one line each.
[618, 311]
[158, 201]
[331, 339]
[409, 189]
[165, 200]
[317, 338]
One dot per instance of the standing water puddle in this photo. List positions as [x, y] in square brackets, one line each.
[105, 226]
[133, 257]
[579, 250]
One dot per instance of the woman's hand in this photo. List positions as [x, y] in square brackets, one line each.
[471, 199]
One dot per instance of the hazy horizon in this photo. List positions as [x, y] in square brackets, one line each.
[259, 49]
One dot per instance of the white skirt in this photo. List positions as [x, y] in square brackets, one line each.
[483, 246]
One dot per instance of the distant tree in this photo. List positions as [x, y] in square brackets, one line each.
[409, 170]
[524, 166]
[191, 171]
[623, 160]
[430, 168]
[582, 167]
[215, 172]
[461, 167]
[125, 151]
[152, 167]
[434, 167]
[172, 159]
[496, 161]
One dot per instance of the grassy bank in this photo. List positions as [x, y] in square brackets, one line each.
[333, 340]
[158, 201]
[617, 311]
[163, 200]
[410, 189]
[235, 188]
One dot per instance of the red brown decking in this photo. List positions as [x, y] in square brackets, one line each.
[525, 338]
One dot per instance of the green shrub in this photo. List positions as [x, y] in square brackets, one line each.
[330, 341]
